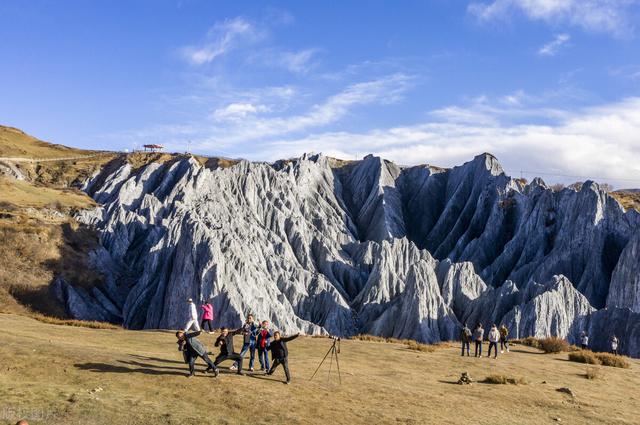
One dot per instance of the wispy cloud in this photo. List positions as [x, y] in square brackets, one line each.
[631, 72]
[384, 90]
[554, 46]
[221, 38]
[610, 16]
[295, 61]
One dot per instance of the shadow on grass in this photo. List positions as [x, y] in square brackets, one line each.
[537, 353]
[110, 368]
[155, 359]
[264, 377]
[149, 366]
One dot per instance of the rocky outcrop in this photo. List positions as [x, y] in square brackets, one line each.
[321, 246]
[555, 308]
[624, 291]
[8, 169]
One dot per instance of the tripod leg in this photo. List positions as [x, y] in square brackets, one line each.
[333, 349]
[338, 366]
[322, 361]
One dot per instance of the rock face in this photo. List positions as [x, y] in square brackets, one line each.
[324, 246]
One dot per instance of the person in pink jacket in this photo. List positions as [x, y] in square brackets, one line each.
[207, 317]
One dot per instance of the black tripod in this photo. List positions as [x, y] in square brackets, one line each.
[334, 350]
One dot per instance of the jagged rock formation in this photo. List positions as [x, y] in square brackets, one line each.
[625, 280]
[318, 245]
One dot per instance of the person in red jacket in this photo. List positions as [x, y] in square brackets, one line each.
[207, 317]
[263, 339]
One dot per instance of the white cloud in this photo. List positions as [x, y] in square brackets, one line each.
[223, 37]
[554, 46]
[610, 16]
[237, 111]
[600, 142]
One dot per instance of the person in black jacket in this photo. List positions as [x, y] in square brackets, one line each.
[280, 354]
[192, 348]
[225, 342]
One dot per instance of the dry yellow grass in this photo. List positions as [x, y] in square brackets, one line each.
[504, 380]
[604, 359]
[629, 200]
[36, 248]
[54, 374]
[16, 143]
[25, 194]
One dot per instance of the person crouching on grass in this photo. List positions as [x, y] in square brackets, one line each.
[192, 348]
[225, 342]
[280, 354]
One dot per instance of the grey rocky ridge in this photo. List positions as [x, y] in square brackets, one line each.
[319, 245]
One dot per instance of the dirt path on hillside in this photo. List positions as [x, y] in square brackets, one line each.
[70, 158]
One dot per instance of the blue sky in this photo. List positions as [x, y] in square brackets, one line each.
[547, 86]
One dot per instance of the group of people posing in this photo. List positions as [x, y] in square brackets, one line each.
[477, 336]
[256, 337]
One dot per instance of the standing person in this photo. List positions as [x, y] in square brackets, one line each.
[504, 341]
[584, 341]
[192, 349]
[478, 335]
[207, 316]
[225, 342]
[465, 337]
[193, 317]
[249, 330]
[280, 354]
[494, 338]
[262, 342]
[614, 345]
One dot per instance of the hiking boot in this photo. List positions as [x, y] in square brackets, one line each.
[250, 369]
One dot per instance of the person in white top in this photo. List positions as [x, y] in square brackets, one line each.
[494, 338]
[584, 341]
[614, 345]
[193, 317]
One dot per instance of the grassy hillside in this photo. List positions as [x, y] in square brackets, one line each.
[61, 375]
[37, 245]
[16, 143]
[628, 199]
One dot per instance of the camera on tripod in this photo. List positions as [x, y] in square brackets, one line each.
[334, 350]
